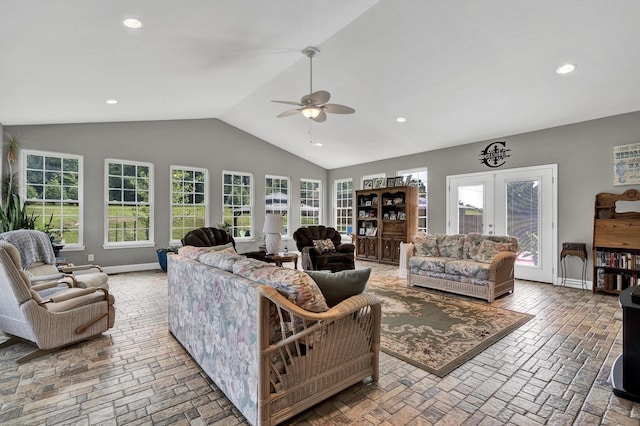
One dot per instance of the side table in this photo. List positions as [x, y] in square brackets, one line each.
[578, 250]
[279, 259]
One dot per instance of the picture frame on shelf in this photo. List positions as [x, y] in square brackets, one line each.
[391, 182]
[362, 231]
[402, 215]
[399, 181]
[367, 184]
[367, 203]
[374, 201]
[379, 183]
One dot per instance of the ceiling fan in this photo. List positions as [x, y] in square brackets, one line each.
[314, 106]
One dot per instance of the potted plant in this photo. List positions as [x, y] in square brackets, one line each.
[162, 255]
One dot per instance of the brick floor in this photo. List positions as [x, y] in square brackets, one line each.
[554, 370]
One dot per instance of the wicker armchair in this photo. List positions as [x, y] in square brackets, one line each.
[66, 317]
[313, 259]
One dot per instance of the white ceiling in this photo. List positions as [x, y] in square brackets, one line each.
[459, 71]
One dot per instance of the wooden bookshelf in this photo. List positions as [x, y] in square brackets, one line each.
[385, 218]
[616, 243]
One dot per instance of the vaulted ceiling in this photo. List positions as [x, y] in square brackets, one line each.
[458, 71]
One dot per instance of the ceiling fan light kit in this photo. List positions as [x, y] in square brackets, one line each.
[314, 106]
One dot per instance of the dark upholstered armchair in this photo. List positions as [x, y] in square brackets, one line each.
[209, 237]
[314, 259]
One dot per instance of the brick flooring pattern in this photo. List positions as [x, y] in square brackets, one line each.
[554, 370]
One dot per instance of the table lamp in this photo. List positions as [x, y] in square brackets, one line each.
[272, 229]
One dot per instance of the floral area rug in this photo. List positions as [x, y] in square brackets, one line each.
[435, 332]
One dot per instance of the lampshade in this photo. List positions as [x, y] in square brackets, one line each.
[272, 228]
[272, 224]
[311, 111]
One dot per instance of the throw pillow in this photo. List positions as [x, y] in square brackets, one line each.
[220, 259]
[426, 245]
[324, 245]
[489, 249]
[451, 245]
[224, 248]
[338, 286]
[296, 285]
[192, 252]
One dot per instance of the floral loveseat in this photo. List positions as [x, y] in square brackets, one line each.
[265, 334]
[474, 265]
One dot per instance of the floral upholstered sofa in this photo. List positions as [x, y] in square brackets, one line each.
[265, 334]
[472, 264]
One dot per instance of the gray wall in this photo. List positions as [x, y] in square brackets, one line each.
[210, 144]
[583, 152]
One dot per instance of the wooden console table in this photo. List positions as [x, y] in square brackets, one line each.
[578, 250]
[279, 259]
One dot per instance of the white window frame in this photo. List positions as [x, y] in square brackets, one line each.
[23, 190]
[252, 233]
[414, 172]
[336, 217]
[286, 213]
[303, 199]
[128, 244]
[205, 172]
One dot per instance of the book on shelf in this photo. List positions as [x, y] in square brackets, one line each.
[622, 260]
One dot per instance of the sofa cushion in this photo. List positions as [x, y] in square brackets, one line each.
[338, 286]
[474, 240]
[223, 248]
[220, 259]
[431, 264]
[426, 245]
[324, 245]
[296, 285]
[490, 249]
[450, 245]
[468, 268]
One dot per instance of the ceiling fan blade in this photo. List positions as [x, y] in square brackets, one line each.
[320, 118]
[288, 113]
[317, 98]
[338, 109]
[288, 103]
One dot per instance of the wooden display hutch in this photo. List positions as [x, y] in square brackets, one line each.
[385, 218]
[616, 242]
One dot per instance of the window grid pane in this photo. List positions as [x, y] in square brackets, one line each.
[188, 196]
[309, 202]
[344, 206]
[277, 199]
[128, 204]
[419, 179]
[237, 207]
[52, 188]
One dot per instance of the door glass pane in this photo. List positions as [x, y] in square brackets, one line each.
[470, 209]
[523, 219]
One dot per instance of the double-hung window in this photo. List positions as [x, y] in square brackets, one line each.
[276, 199]
[52, 186]
[310, 202]
[343, 191]
[237, 203]
[189, 195]
[129, 204]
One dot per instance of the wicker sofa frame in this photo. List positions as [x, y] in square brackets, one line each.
[500, 277]
[288, 368]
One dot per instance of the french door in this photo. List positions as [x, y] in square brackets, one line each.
[518, 202]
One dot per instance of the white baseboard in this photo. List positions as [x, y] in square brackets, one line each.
[131, 268]
[574, 283]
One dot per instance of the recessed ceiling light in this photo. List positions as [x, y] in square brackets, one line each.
[317, 144]
[401, 119]
[565, 68]
[132, 23]
[111, 101]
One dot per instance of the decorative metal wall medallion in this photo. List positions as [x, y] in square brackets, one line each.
[495, 154]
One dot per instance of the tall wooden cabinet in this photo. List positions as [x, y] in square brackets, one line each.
[385, 218]
[616, 242]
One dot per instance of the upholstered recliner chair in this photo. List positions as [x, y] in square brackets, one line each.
[66, 317]
[39, 261]
[209, 237]
[318, 254]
